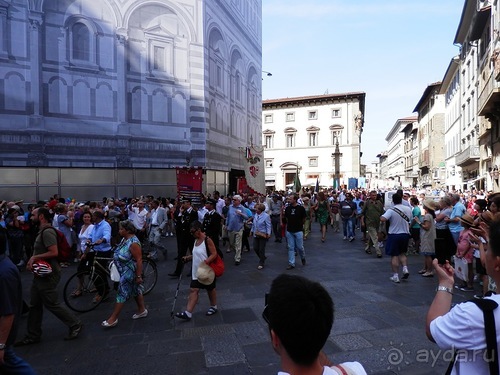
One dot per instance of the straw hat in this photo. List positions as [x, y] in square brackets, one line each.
[205, 274]
[467, 219]
[431, 204]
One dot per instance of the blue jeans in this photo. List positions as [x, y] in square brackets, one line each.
[348, 226]
[14, 365]
[295, 242]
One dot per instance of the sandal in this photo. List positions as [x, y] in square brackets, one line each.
[211, 311]
[182, 315]
[76, 293]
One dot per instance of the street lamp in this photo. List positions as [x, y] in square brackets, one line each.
[336, 156]
[267, 73]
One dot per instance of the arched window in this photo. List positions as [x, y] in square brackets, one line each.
[81, 42]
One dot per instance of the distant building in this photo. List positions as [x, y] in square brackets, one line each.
[108, 97]
[302, 132]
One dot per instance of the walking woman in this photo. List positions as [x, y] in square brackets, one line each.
[128, 260]
[322, 209]
[203, 252]
[445, 246]
[261, 232]
[427, 236]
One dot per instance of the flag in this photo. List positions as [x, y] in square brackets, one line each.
[316, 189]
[296, 182]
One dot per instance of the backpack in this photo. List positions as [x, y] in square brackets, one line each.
[63, 248]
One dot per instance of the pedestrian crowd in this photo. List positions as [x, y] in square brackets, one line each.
[445, 229]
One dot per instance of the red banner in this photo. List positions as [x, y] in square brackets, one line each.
[190, 183]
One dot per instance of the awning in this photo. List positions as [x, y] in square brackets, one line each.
[270, 183]
[471, 182]
[310, 182]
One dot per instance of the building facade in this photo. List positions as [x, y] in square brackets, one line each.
[108, 97]
[301, 134]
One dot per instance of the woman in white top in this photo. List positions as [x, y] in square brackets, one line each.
[200, 254]
[85, 232]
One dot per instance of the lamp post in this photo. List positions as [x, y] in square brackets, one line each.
[336, 157]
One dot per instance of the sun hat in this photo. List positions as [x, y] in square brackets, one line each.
[205, 274]
[467, 219]
[430, 203]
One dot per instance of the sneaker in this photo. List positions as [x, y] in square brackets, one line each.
[406, 275]
[351, 239]
[345, 238]
[394, 278]
[290, 267]
[74, 332]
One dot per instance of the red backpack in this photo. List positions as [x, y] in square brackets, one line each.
[63, 248]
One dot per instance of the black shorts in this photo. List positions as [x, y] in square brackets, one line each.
[479, 267]
[196, 284]
[415, 234]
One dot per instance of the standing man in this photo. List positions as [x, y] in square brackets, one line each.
[275, 208]
[11, 303]
[159, 220]
[454, 220]
[295, 217]
[236, 217]
[219, 202]
[44, 289]
[399, 217]
[137, 213]
[101, 237]
[370, 217]
[185, 241]
[212, 222]
[348, 215]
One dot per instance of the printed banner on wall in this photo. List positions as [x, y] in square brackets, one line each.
[254, 171]
[189, 183]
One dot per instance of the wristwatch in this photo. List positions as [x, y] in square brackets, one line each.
[2, 346]
[442, 288]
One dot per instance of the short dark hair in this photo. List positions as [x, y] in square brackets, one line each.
[397, 199]
[196, 225]
[45, 213]
[300, 312]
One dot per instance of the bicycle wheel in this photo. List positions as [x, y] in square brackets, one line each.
[149, 275]
[88, 285]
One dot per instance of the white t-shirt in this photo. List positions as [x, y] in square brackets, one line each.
[398, 225]
[351, 368]
[462, 329]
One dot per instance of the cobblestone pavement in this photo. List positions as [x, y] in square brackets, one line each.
[377, 322]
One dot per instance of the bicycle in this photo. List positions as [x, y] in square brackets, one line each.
[91, 283]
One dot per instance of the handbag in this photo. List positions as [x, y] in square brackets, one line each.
[113, 272]
[461, 268]
[261, 234]
[218, 264]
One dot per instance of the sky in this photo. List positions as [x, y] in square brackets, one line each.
[389, 49]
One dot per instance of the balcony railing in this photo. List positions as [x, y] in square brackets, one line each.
[469, 155]
[486, 99]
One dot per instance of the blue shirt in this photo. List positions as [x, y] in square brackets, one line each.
[458, 210]
[234, 222]
[101, 230]
[261, 223]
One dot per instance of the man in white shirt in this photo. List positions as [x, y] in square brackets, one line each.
[399, 217]
[463, 327]
[220, 202]
[138, 215]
